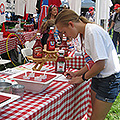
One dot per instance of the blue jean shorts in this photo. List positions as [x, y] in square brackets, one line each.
[108, 88]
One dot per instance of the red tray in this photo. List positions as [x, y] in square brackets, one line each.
[4, 98]
[49, 77]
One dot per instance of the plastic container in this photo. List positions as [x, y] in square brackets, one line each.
[60, 65]
[18, 89]
[5, 87]
[51, 40]
[38, 48]
[64, 46]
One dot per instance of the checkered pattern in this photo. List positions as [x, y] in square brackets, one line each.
[77, 62]
[60, 101]
[25, 36]
[12, 43]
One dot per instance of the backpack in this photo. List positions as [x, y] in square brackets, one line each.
[117, 17]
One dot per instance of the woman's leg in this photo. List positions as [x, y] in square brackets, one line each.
[100, 109]
[93, 94]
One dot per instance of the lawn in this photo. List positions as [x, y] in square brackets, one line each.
[114, 113]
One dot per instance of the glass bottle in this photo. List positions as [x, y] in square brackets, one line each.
[51, 40]
[64, 46]
[38, 48]
[60, 65]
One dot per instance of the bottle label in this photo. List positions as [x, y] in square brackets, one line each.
[52, 45]
[60, 66]
[38, 51]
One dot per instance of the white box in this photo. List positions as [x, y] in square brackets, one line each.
[1, 35]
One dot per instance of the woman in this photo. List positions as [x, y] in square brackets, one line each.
[48, 22]
[104, 70]
[52, 12]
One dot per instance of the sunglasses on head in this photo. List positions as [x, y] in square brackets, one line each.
[53, 6]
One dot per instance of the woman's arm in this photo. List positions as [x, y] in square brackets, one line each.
[96, 68]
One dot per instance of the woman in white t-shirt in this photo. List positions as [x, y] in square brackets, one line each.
[101, 57]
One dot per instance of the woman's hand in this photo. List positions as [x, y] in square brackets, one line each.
[69, 74]
[76, 80]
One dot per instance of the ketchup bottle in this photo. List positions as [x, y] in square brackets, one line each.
[64, 46]
[38, 48]
[51, 40]
[60, 65]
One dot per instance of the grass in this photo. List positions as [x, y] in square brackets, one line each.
[114, 113]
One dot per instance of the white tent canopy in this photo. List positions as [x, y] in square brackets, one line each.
[103, 14]
[87, 3]
[75, 5]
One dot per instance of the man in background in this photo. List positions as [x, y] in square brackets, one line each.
[116, 24]
[90, 15]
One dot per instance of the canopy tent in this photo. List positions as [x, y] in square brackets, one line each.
[87, 3]
[75, 5]
[99, 12]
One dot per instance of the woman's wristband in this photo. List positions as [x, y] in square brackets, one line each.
[83, 77]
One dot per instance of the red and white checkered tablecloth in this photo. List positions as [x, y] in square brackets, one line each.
[77, 62]
[60, 101]
[12, 43]
[26, 36]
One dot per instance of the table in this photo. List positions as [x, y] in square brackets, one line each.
[60, 101]
[12, 43]
[76, 62]
[25, 36]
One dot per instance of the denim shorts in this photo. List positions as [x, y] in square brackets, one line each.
[108, 88]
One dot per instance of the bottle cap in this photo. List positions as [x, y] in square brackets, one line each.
[51, 28]
[38, 34]
[61, 51]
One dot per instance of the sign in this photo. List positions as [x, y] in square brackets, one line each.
[2, 8]
[2, 11]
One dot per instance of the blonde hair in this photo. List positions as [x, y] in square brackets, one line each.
[67, 15]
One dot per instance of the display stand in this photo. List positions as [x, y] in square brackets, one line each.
[48, 56]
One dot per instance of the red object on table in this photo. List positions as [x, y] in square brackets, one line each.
[38, 48]
[36, 75]
[51, 40]
[4, 98]
[5, 33]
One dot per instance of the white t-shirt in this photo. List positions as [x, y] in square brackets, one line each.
[99, 46]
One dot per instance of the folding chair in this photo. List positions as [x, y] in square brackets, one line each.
[4, 61]
[26, 52]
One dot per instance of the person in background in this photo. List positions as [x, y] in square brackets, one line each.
[110, 21]
[31, 19]
[116, 24]
[102, 64]
[90, 15]
[36, 17]
[48, 21]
